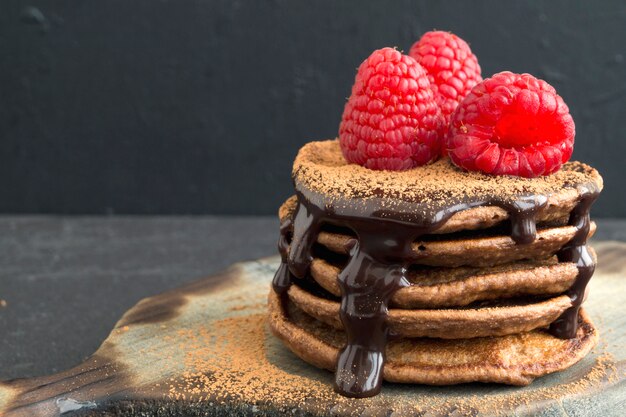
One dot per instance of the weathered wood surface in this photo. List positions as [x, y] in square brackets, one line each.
[176, 354]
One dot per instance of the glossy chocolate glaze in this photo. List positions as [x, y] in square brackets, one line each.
[282, 278]
[576, 251]
[378, 262]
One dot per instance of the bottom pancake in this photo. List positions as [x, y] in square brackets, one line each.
[514, 359]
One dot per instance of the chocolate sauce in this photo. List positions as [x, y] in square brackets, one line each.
[282, 278]
[379, 258]
[376, 270]
[576, 251]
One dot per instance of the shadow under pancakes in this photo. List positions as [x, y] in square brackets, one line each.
[442, 401]
[166, 306]
[98, 380]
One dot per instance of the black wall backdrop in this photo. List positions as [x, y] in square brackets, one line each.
[199, 106]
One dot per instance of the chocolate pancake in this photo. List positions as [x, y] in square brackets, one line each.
[496, 318]
[514, 359]
[454, 287]
[481, 251]
[386, 222]
[320, 169]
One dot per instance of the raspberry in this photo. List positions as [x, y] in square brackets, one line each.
[391, 121]
[511, 124]
[452, 68]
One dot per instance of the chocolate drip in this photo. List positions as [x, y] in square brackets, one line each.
[306, 224]
[522, 213]
[577, 252]
[376, 270]
[282, 278]
[379, 258]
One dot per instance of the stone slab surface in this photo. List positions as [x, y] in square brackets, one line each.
[67, 281]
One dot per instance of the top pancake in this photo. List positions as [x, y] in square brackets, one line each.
[321, 169]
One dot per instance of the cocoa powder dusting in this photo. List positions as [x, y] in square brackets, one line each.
[320, 167]
[235, 360]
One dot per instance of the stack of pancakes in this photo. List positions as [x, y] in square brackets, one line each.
[478, 306]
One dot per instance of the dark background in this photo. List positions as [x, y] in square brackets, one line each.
[199, 106]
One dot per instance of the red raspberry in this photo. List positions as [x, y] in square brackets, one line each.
[511, 124]
[452, 68]
[391, 120]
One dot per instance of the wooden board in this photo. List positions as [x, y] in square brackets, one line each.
[204, 349]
